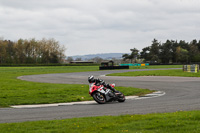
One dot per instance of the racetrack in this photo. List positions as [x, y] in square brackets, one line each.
[182, 93]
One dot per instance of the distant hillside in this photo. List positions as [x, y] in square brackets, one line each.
[105, 56]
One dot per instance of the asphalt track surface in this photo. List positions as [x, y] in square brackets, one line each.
[182, 93]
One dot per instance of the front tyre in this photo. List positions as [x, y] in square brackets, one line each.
[121, 97]
[99, 98]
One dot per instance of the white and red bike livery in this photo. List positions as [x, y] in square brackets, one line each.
[102, 94]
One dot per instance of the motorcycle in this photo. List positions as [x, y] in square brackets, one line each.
[102, 94]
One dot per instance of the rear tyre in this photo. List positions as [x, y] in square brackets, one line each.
[99, 98]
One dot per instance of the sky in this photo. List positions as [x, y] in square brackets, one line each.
[100, 26]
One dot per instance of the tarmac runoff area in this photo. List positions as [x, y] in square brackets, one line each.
[151, 95]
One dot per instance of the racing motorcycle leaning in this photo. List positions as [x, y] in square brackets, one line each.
[102, 94]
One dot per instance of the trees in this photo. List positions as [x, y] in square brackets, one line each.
[3, 52]
[134, 55]
[172, 52]
[7, 52]
[152, 53]
[155, 51]
[194, 52]
[166, 53]
[144, 54]
[26, 51]
[97, 60]
[126, 57]
[69, 59]
[181, 55]
[50, 51]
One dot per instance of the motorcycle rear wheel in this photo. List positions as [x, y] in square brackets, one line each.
[99, 98]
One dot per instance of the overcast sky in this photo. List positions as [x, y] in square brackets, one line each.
[100, 26]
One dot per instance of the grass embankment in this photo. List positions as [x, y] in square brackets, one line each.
[18, 92]
[179, 73]
[177, 122]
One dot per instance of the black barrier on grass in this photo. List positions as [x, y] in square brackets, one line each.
[113, 67]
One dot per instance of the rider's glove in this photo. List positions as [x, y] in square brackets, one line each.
[108, 85]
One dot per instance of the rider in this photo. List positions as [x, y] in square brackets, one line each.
[92, 80]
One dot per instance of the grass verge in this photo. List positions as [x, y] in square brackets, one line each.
[179, 73]
[18, 92]
[177, 122]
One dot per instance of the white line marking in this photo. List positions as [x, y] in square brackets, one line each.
[152, 95]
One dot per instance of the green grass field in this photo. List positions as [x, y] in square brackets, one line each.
[179, 73]
[177, 122]
[18, 92]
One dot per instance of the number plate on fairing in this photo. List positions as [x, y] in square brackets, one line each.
[107, 91]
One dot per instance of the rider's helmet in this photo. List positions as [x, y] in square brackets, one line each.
[91, 79]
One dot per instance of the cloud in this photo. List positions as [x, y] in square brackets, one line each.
[100, 26]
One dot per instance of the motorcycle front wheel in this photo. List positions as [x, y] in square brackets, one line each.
[99, 98]
[121, 97]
